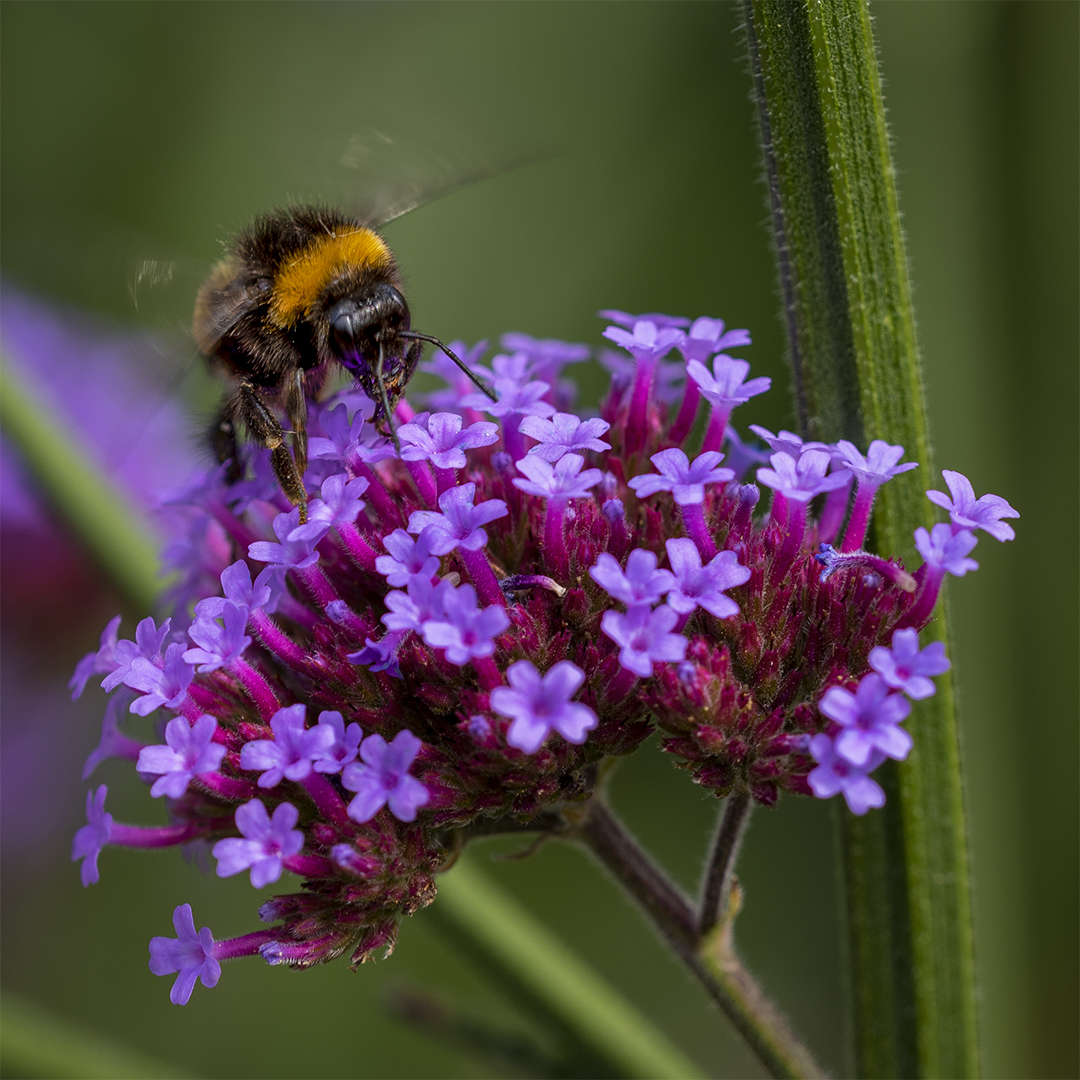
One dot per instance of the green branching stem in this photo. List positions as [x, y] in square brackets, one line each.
[851, 329]
[711, 956]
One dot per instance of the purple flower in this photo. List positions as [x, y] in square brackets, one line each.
[463, 631]
[459, 524]
[646, 342]
[343, 749]
[559, 482]
[971, 513]
[349, 442]
[190, 954]
[741, 456]
[540, 705]
[422, 601]
[563, 433]
[408, 558]
[706, 337]
[725, 386]
[684, 480]
[384, 778]
[459, 383]
[91, 838]
[621, 318]
[267, 841]
[526, 399]
[644, 637]
[100, 662]
[641, 583]
[835, 774]
[340, 503]
[870, 718]
[442, 441]
[148, 643]
[218, 645]
[546, 357]
[160, 687]
[292, 750]
[879, 465]
[801, 480]
[238, 589]
[296, 549]
[381, 655]
[703, 586]
[786, 442]
[191, 750]
[906, 667]
[945, 550]
[114, 743]
[667, 378]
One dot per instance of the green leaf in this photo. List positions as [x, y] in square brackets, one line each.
[555, 982]
[851, 331]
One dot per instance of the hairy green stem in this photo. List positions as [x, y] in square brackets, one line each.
[711, 957]
[851, 328]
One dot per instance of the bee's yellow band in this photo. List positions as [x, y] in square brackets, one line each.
[302, 279]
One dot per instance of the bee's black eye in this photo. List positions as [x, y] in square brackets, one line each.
[346, 325]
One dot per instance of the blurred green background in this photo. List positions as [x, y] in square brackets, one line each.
[162, 127]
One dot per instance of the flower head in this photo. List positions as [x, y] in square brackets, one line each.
[460, 522]
[540, 704]
[703, 586]
[564, 433]
[967, 512]
[644, 638]
[93, 836]
[870, 718]
[906, 667]
[441, 439]
[190, 954]
[383, 779]
[945, 550]
[267, 842]
[685, 480]
[836, 774]
[293, 750]
[801, 480]
[640, 583]
[464, 630]
[564, 480]
[190, 750]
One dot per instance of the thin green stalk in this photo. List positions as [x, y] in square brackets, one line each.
[90, 508]
[857, 376]
[555, 979]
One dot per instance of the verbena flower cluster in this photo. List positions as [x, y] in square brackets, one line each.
[464, 631]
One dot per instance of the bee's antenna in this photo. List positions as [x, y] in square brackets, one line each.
[474, 378]
[385, 399]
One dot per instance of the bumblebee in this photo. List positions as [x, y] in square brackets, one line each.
[300, 292]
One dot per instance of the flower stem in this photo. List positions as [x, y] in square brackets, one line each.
[851, 330]
[720, 872]
[711, 958]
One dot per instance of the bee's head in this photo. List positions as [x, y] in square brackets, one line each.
[363, 320]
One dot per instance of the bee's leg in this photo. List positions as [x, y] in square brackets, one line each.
[266, 430]
[296, 410]
[384, 400]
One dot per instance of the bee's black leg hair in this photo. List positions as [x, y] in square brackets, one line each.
[476, 380]
[265, 429]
